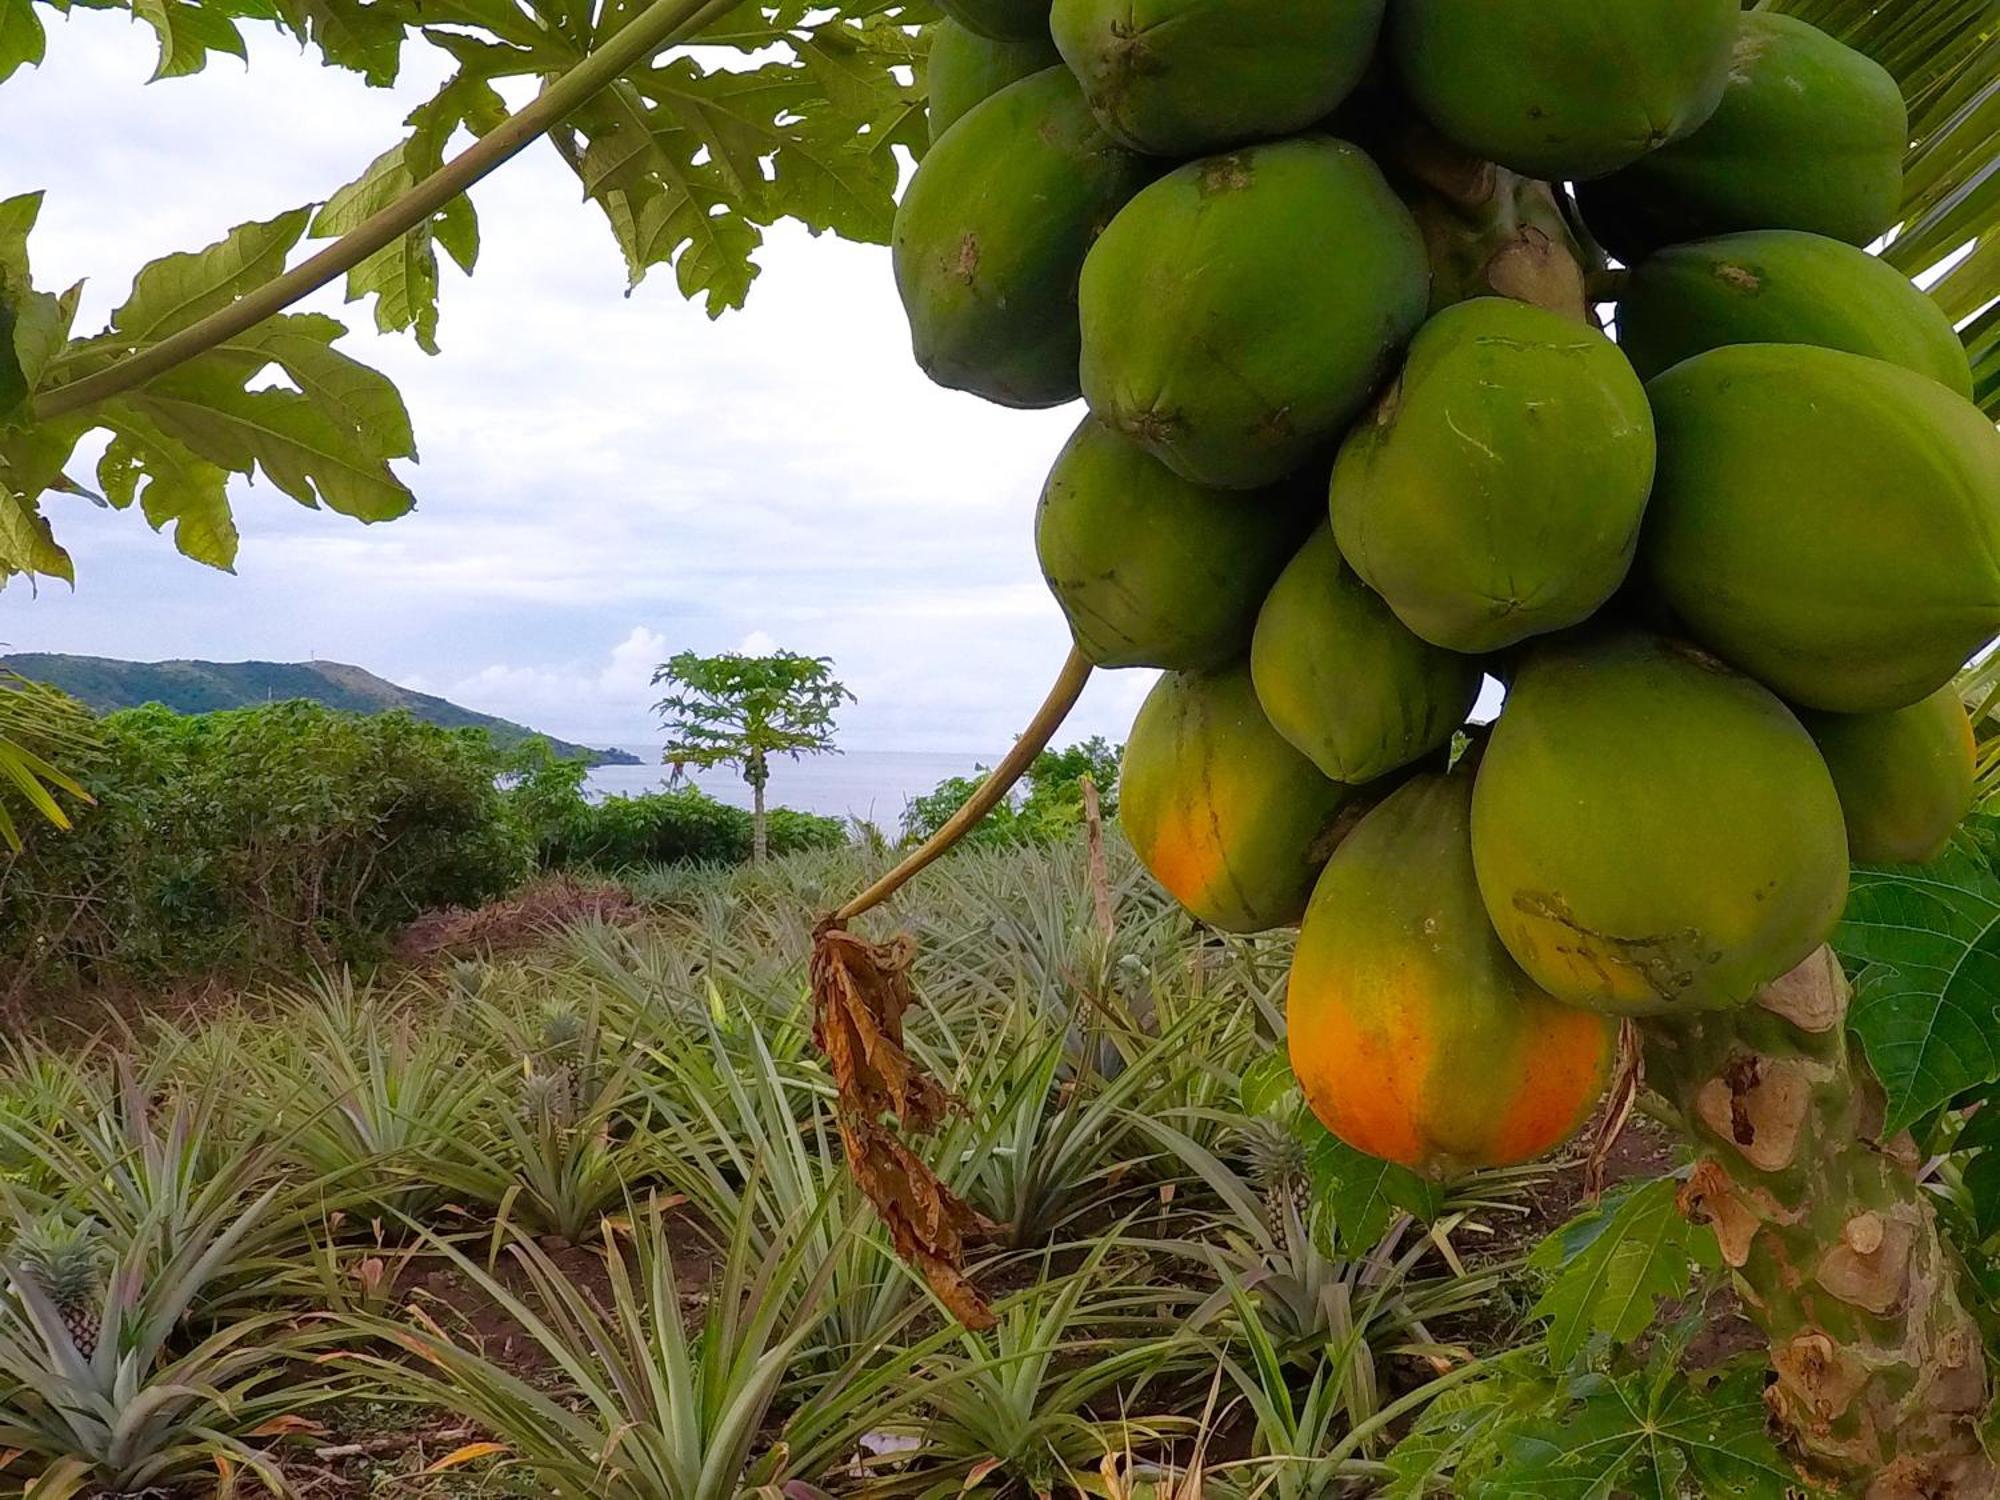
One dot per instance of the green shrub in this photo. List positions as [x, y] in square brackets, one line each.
[265, 837]
[682, 825]
[1049, 811]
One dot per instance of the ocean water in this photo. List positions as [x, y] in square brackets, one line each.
[872, 784]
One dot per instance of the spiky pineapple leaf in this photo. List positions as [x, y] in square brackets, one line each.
[1925, 940]
[1613, 1265]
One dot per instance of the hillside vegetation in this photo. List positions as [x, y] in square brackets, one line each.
[108, 684]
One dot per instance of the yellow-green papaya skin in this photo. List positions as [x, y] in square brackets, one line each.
[1152, 571]
[1413, 1033]
[1230, 819]
[1810, 135]
[1563, 89]
[1652, 831]
[1241, 310]
[1344, 680]
[1828, 523]
[965, 68]
[1000, 20]
[1182, 77]
[992, 232]
[1783, 286]
[1905, 777]
[1496, 491]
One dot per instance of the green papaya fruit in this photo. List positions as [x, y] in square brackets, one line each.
[1347, 682]
[1002, 20]
[1828, 523]
[1233, 821]
[1810, 135]
[1905, 777]
[992, 232]
[1564, 89]
[1150, 570]
[1181, 77]
[965, 68]
[1497, 490]
[1240, 311]
[1781, 286]
[1652, 831]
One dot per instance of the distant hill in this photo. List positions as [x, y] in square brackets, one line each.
[198, 687]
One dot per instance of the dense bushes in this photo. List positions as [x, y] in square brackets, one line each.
[680, 826]
[255, 836]
[1049, 810]
[291, 833]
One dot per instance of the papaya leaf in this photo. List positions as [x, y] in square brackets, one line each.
[402, 276]
[22, 40]
[42, 323]
[1268, 1087]
[302, 450]
[1652, 1434]
[1982, 1187]
[172, 485]
[363, 36]
[1926, 942]
[1458, 1437]
[177, 290]
[1613, 1265]
[361, 400]
[27, 544]
[187, 34]
[778, 109]
[1355, 1197]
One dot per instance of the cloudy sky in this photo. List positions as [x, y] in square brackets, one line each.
[605, 479]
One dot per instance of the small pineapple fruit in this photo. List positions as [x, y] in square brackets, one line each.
[549, 1098]
[1277, 1161]
[567, 1051]
[65, 1263]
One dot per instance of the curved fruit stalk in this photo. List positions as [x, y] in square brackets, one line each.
[1489, 231]
[1880, 1375]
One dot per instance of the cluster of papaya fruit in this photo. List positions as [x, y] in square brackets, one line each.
[1427, 342]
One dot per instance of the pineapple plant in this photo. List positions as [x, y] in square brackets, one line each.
[1276, 1158]
[65, 1262]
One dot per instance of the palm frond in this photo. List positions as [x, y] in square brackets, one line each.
[1946, 56]
[37, 723]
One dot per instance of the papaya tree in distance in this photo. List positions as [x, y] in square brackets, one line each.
[735, 710]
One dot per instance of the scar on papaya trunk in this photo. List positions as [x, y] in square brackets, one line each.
[860, 993]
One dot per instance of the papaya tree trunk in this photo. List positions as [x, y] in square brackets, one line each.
[1879, 1375]
[760, 843]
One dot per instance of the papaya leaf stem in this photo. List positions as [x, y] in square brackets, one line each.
[661, 24]
[1013, 765]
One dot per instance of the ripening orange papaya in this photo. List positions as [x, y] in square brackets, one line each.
[1414, 1034]
[1227, 816]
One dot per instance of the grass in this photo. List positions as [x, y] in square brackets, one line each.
[586, 1204]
